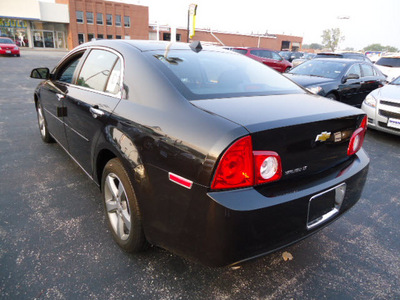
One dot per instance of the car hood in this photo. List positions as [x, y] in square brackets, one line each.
[266, 112]
[8, 45]
[306, 80]
[389, 92]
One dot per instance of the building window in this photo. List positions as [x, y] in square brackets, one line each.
[178, 37]
[90, 36]
[89, 17]
[81, 38]
[109, 37]
[127, 37]
[100, 36]
[117, 20]
[109, 19]
[118, 37]
[79, 17]
[99, 20]
[127, 21]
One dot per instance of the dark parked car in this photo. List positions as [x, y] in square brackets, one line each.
[267, 57]
[202, 151]
[345, 80]
[305, 57]
[348, 55]
[291, 55]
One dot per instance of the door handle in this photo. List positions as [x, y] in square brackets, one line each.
[60, 96]
[96, 112]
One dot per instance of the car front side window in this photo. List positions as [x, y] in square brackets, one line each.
[355, 69]
[67, 70]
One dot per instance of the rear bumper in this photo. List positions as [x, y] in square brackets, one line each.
[244, 224]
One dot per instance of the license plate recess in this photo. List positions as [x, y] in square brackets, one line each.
[325, 205]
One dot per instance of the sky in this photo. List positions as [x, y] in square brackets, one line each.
[369, 21]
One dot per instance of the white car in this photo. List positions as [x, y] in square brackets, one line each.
[389, 66]
[383, 108]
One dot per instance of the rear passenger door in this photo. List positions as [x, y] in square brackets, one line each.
[89, 103]
[370, 80]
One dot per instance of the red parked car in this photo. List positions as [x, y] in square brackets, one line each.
[8, 47]
[267, 57]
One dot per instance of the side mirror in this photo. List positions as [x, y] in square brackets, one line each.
[40, 73]
[350, 76]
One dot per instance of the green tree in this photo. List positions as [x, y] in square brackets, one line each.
[331, 38]
[379, 47]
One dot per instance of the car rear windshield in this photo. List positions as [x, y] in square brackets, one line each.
[220, 74]
[6, 41]
[320, 68]
[389, 62]
[241, 51]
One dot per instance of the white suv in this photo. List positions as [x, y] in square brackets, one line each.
[389, 66]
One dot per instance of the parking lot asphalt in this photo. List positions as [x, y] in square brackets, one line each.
[54, 242]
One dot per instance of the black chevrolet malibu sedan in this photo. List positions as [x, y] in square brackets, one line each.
[202, 151]
[345, 80]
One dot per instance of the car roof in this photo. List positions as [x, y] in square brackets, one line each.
[146, 45]
[342, 60]
[253, 48]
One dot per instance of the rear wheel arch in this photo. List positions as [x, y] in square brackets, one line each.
[103, 157]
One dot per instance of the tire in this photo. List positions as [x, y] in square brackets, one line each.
[44, 132]
[121, 208]
[331, 96]
[287, 69]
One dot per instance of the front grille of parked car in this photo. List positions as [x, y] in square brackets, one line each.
[389, 114]
[382, 124]
[395, 104]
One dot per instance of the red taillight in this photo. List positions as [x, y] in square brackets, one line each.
[235, 168]
[357, 138]
[241, 167]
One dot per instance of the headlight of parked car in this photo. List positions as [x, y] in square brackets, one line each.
[314, 89]
[370, 101]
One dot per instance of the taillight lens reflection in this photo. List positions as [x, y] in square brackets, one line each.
[235, 168]
[357, 139]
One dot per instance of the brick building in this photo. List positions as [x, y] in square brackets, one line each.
[275, 42]
[105, 20]
[68, 23]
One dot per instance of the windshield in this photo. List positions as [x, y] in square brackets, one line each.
[215, 74]
[285, 54]
[241, 51]
[320, 68]
[396, 81]
[389, 62]
[6, 41]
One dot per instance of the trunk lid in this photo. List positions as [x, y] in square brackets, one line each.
[310, 133]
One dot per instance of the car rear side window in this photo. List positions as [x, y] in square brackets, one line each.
[96, 71]
[367, 70]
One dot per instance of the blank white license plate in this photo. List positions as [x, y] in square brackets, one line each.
[8, 51]
[394, 123]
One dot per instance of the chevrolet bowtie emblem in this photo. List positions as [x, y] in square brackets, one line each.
[323, 136]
